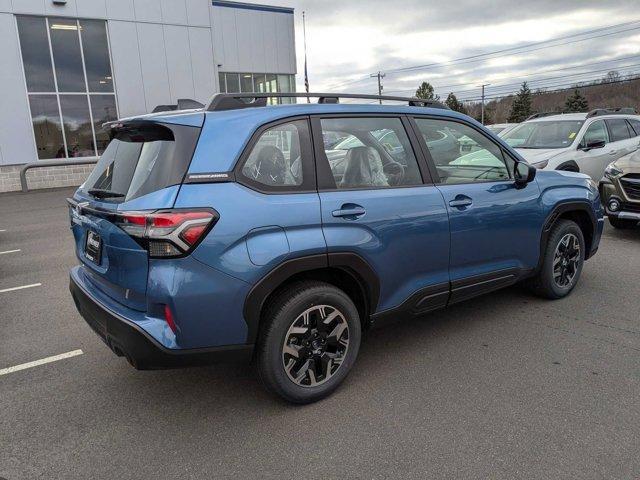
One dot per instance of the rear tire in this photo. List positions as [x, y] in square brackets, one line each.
[622, 223]
[308, 342]
[562, 262]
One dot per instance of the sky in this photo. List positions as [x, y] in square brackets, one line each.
[347, 40]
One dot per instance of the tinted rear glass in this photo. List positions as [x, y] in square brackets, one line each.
[141, 160]
[619, 129]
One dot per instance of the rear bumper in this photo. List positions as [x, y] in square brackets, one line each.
[127, 339]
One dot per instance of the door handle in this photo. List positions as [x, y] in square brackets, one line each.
[346, 211]
[460, 201]
[612, 152]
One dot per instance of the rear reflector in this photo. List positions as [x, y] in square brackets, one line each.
[167, 233]
[168, 316]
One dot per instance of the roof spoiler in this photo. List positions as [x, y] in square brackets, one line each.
[183, 104]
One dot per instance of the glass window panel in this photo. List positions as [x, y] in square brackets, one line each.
[246, 82]
[233, 84]
[103, 108]
[619, 130]
[77, 125]
[369, 153]
[46, 126]
[96, 55]
[259, 83]
[65, 44]
[284, 83]
[35, 54]
[462, 154]
[276, 160]
[223, 87]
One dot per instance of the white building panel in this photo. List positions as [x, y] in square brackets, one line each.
[126, 68]
[153, 63]
[92, 8]
[120, 10]
[203, 63]
[29, 6]
[177, 48]
[198, 12]
[16, 135]
[148, 10]
[174, 11]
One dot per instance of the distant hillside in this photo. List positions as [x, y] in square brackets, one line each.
[600, 95]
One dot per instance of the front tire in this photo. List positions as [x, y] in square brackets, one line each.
[309, 341]
[562, 262]
[622, 223]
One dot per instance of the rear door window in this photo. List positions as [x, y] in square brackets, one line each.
[373, 153]
[635, 125]
[619, 129]
[141, 159]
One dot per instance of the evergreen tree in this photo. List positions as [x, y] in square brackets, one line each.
[455, 105]
[425, 91]
[576, 103]
[521, 107]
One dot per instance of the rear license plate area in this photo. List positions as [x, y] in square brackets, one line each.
[93, 247]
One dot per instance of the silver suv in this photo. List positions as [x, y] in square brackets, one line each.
[578, 142]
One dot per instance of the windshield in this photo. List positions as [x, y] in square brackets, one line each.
[546, 134]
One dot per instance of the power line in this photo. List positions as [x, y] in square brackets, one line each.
[526, 48]
[559, 87]
[529, 74]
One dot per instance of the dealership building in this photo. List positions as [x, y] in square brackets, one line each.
[68, 66]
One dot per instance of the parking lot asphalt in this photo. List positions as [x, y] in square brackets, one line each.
[503, 386]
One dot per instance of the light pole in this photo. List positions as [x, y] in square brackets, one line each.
[482, 107]
[380, 76]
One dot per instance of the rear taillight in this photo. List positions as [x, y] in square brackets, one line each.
[167, 233]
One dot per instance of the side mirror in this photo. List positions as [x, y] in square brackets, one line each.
[594, 144]
[524, 173]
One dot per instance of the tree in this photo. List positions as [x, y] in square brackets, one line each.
[425, 91]
[521, 107]
[454, 104]
[576, 103]
[612, 76]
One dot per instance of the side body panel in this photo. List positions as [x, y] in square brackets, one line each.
[404, 236]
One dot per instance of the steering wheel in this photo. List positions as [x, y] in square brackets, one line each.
[394, 172]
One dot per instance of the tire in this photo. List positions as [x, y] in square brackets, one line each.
[547, 283]
[622, 223]
[286, 346]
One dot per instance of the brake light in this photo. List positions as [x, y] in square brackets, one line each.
[167, 233]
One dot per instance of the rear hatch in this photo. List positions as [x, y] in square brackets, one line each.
[139, 174]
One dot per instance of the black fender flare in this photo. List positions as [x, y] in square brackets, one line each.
[350, 262]
[558, 210]
[569, 165]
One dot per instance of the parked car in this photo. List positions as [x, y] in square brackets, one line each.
[226, 233]
[620, 191]
[577, 142]
[501, 128]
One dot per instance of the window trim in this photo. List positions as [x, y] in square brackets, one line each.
[432, 164]
[308, 185]
[325, 180]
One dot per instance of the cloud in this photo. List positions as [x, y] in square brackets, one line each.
[348, 40]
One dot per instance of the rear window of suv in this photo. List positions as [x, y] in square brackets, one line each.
[142, 159]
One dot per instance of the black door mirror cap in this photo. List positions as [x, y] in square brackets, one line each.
[524, 173]
[595, 144]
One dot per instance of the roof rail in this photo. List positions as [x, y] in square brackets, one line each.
[547, 114]
[234, 101]
[612, 111]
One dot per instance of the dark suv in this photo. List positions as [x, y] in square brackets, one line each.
[279, 233]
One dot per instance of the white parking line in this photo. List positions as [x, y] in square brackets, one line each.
[10, 251]
[42, 361]
[2, 230]
[20, 288]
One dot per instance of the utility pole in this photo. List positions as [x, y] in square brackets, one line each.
[482, 106]
[380, 76]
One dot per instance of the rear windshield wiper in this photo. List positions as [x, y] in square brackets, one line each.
[100, 193]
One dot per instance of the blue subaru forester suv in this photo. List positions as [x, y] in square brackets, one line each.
[278, 233]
